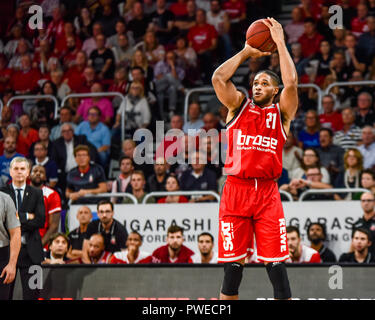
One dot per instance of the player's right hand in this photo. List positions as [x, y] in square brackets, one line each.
[253, 52]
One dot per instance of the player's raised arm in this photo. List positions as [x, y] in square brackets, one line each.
[224, 88]
[289, 95]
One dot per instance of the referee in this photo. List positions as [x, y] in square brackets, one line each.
[10, 244]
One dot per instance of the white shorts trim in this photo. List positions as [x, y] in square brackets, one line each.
[273, 259]
[234, 258]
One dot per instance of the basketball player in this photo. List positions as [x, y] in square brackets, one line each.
[250, 204]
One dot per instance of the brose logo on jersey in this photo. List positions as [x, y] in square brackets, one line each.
[227, 234]
[246, 142]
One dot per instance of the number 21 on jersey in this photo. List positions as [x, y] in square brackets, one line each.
[271, 120]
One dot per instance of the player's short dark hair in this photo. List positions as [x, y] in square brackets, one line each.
[330, 132]
[272, 74]
[290, 229]
[175, 228]
[363, 230]
[323, 226]
[54, 236]
[207, 233]
[103, 202]
[138, 234]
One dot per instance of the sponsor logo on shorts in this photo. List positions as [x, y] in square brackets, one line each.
[227, 234]
[283, 246]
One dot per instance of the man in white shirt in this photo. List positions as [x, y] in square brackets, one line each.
[205, 246]
[367, 149]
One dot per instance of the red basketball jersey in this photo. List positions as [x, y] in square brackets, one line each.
[255, 138]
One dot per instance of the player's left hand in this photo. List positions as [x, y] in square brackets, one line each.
[276, 29]
[255, 53]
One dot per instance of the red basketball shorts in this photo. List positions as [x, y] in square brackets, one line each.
[251, 207]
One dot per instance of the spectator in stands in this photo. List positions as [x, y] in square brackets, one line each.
[292, 155]
[138, 183]
[44, 110]
[309, 136]
[298, 59]
[43, 137]
[361, 242]
[83, 23]
[42, 56]
[74, 75]
[128, 148]
[351, 93]
[52, 203]
[120, 83]
[310, 39]
[123, 53]
[219, 18]
[365, 114]
[194, 122]
[114, 41]
[353, 59]
[183, 23]
[77, 236]
[188, 59]
[86, 178]
[137, 111]
[236, 10]
[339, 67]
[300, 253]
[25, 80]
[161, 22]
[206, 249]
[65, 117]
[5, 159]
[69, 56]
[366, 42]
[199, 178]
[89, 79]
[153, 51]
[55, 28]
[27, 135]
[203, 39]
[140, 60]
[294, 29]
[348, 13]
[322, 60]
[324, 22]
[96, 250]
[62, 152]
[367, 148]
[310, 9]
[368, 180]
[113, 232]
[97, 133]
[317, 234]
[108, 17]
[310, 158]
[157, 181]
[139, 22]
[63, 88]
[359, 23]
[50, 166]
[102, 59]
[102, 103]
[350, 135]
[121, 183]
[5, 72]
[350, 176]
[313, 181]
[58, 249]
[331, 156]
[22, 49]
[132, 254]
[371, 7]
[169, 75]
[254, 65]
[367, 221]
[330, 118]
[11, 46]
[174, 251]
[89, 45]
[172, 184]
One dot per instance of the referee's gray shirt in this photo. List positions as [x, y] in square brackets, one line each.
[8, 218]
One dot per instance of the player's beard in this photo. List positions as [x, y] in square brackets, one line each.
[264, 101]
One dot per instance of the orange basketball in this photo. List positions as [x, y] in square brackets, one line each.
[258, 36]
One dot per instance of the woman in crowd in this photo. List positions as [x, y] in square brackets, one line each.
[140, 60]
[172, 184]
[350, 177]
[310, 157]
